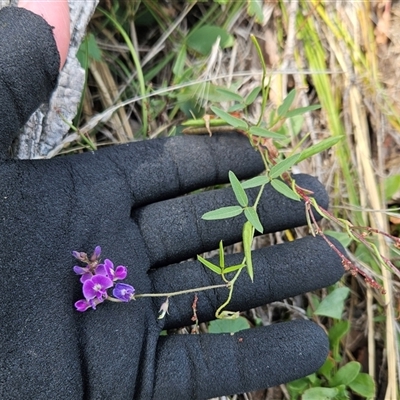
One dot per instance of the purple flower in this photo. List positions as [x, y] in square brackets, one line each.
[123, 292]
[97, 278]
[82, 305]
[107, 269]
[96, 287]
[80, 256]
[80, 270]
[84, 271]
[96, 254]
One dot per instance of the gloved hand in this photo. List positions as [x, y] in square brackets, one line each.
[133, 201]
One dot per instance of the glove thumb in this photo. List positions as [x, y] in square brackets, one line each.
[29, 64]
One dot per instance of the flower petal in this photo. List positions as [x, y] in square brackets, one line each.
[82, 305]
[120, 272]
[86, 276]
[80, 270]
[101, 270]
[109, 265]
[96, 253]
[123, 292]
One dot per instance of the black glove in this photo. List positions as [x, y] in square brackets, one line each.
[130, 200]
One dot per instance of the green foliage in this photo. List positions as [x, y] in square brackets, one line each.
[284, 189]
[255, 182]
[319, 147]
[88, 50]
[262, 132]
[333, 304]
[392, 186]
[223, 212]
[287, 102]
[320, 393]
[220, 269]
[229, 119]
[276, 173]
[228, 325]
[333, 381]
[336, 334]
[240, 194]
[346, 374]
[247, 236]
[363, 385]
[342, 237]
[252, 216]
[255, 9]
[201, 40]
[277, 170]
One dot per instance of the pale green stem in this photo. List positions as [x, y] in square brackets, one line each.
[170, 294]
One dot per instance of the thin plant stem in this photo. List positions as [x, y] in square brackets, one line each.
[180, 292]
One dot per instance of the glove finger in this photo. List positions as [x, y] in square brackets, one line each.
[280, 272]
[163, 168]
[211, 365]
[173, 230]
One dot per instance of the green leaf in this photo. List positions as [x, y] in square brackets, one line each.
[287, 102]
[284, 189]
[252, 217]
[240, 194]
[233, 268]
[302, 110]
[222, 213]
[252, 96]
[363, 385]
[247, 237]
[229, 119]
[221, 255]
[327, 368]
[338, 331]
[202, 39]
[315, 381]
[342, 237]
[255, 9]
[262, 132]
[88, 50]
[236, 107]
[228, 325]
[392, 186]
[210, 265]
[333, 304]
[321, 146]
[283, 166]
[255, 182]
[230, 95]
[346, 374]
[320, 393]
[297, 387]
[296, 123]
[180, 61]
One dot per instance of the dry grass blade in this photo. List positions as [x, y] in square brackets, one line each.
[108, 93]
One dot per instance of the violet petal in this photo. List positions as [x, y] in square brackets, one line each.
[120, 272]
[96, 286]
[82, 305]
[123, 292]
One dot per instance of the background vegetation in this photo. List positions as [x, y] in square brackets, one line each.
[151, 65]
